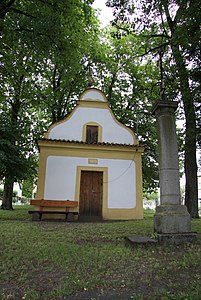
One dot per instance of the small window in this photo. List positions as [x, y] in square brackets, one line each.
[92, 134]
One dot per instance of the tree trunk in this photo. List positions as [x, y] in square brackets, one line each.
[111, 86]
[191, 184]
[191, 189]
[7, 194]
[9, 180]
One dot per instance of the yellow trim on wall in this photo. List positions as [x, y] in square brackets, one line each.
[108, 151]
[46, 134]
[105, 184]
[90, 152]
[53, 148]
[93, 104]
[41, 175]
[84, 131]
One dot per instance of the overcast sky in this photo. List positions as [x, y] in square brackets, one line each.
[105, 14]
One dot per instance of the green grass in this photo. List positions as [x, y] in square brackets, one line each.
[20, 212]
[53, 260]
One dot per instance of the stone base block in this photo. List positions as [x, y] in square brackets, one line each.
[177, 238]
[136, 240]
[172, 219]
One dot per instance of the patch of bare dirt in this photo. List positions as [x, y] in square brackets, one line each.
[41, 279]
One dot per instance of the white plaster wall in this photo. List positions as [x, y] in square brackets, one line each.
[121, 183]
[60, 181]
[93, 95]
[71, 129]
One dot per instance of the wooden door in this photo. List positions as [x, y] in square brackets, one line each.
[91, 194]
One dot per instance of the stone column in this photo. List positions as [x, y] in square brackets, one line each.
[172, 221]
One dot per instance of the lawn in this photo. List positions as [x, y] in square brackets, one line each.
[58, 260]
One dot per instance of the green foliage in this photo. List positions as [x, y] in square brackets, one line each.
[173, 30]
[128, 83]
[50, 51]
[15, 157]
[151, 196]
[48, 56]
[45, 49]
[27, 188]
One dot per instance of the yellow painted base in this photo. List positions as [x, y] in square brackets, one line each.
[123, 214]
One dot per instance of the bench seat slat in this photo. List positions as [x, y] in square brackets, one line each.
[51, 212]
[54, 203]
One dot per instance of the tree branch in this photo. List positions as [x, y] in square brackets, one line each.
[171, 23]
[180, 11]
[22, 12]
[40, 34]
[154, 49]
[5, 6]
[131, 32]
[110, 89]
[155, 35]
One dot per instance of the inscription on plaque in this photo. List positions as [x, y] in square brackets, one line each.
[92, 161]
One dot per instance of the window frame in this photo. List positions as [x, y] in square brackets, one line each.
[84, 132]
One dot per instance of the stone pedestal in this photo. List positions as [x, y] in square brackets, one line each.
[171, 220]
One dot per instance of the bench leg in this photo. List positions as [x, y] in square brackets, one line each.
[36, 216]
[66, 218]
[71, 217]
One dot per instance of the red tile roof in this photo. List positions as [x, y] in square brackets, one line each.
[84, 143]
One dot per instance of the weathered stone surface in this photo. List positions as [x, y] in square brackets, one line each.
[139, 240]
[168, 152]
[172, 224]
[171, 209]
[172, 221]
[177, 238]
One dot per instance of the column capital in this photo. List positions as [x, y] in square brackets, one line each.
[162, 106]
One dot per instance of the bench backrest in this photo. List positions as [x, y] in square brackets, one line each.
[54, 203]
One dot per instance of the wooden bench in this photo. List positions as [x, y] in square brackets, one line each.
[57, 204]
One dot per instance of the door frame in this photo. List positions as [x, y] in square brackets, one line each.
[104, 170]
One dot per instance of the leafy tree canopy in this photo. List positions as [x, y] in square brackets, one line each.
[172, 29]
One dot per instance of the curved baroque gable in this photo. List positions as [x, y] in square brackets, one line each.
[89, 111]
[93, 95]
